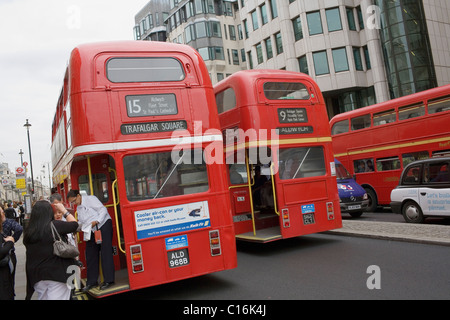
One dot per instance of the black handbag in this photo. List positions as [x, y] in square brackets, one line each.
[61, 248]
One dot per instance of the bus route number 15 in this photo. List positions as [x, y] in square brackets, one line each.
[134, 107]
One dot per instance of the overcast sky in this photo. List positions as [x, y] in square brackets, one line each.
[36, 38]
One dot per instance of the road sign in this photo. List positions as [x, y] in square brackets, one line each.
[21, 184]
[20, 170]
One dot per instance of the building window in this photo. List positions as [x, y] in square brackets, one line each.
[314, 23]
[333, 19]
[255, 20]
[298, 31]
[321, 63]
[357, 57]
[360, 17]
[250, 60]
[351, 19]
[211, 53]
[263, 10]
[279, 43]
[367, 58]
[200, 29]
[340, 60]
[232, 32]
[259, 53]
[273, 8]
[303, 64]
[269, 50]
[245, 28]
[235, 54]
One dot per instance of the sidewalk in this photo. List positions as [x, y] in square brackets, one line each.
[419, 233]
[21, 278]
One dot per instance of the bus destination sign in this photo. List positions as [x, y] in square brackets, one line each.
[295, 130]
[292, 115]
[151, 105]
[152, 127]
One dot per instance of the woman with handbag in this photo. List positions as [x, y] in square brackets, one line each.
[6, 274]
[47, 273]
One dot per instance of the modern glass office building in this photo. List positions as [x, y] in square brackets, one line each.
[360, 52]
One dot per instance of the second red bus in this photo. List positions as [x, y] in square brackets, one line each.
[279, 156]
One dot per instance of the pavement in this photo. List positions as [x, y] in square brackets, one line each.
[418, 233]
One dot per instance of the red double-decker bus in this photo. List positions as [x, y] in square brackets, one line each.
[378, 141]
[114, 136]
[279, 155]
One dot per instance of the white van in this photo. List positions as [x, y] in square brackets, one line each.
[423, 190]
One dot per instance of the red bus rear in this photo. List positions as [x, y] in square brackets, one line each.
[378, 141]
[115, 136]
[279, 155]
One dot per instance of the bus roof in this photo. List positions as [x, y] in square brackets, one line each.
[402, 101]
[242, 80]
[83, 56]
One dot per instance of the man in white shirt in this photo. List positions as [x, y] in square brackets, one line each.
[92, 216]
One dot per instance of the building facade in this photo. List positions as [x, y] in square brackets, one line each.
[360, 52]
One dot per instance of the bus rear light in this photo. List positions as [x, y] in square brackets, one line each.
[137, 262]
[214, 243]
[330, 210]
[286, 220]
[137, 257]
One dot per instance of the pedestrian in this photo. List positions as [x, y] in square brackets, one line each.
[92, 215]
[11, 228]
[47, 274]
[22, 213]
[10, 212]
[6, 267]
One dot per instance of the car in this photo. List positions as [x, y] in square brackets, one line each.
[353, 198]
[423, 190]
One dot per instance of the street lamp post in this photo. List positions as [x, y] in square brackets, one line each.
[21, 158]
[27, 125]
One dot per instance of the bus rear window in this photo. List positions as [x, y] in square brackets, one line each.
[144, 70]
[285, 91]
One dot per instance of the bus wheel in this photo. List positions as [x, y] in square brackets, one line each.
[412, 213]
[373, 201]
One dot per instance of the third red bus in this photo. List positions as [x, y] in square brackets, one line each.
[375, 143]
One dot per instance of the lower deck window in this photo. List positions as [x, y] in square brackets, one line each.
[301, 162]
[165, 174]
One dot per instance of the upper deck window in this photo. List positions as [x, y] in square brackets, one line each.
[285, 91]
[144, 70]
[225, 100]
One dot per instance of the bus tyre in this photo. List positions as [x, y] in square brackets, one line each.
[373, 201]
[412, 213]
